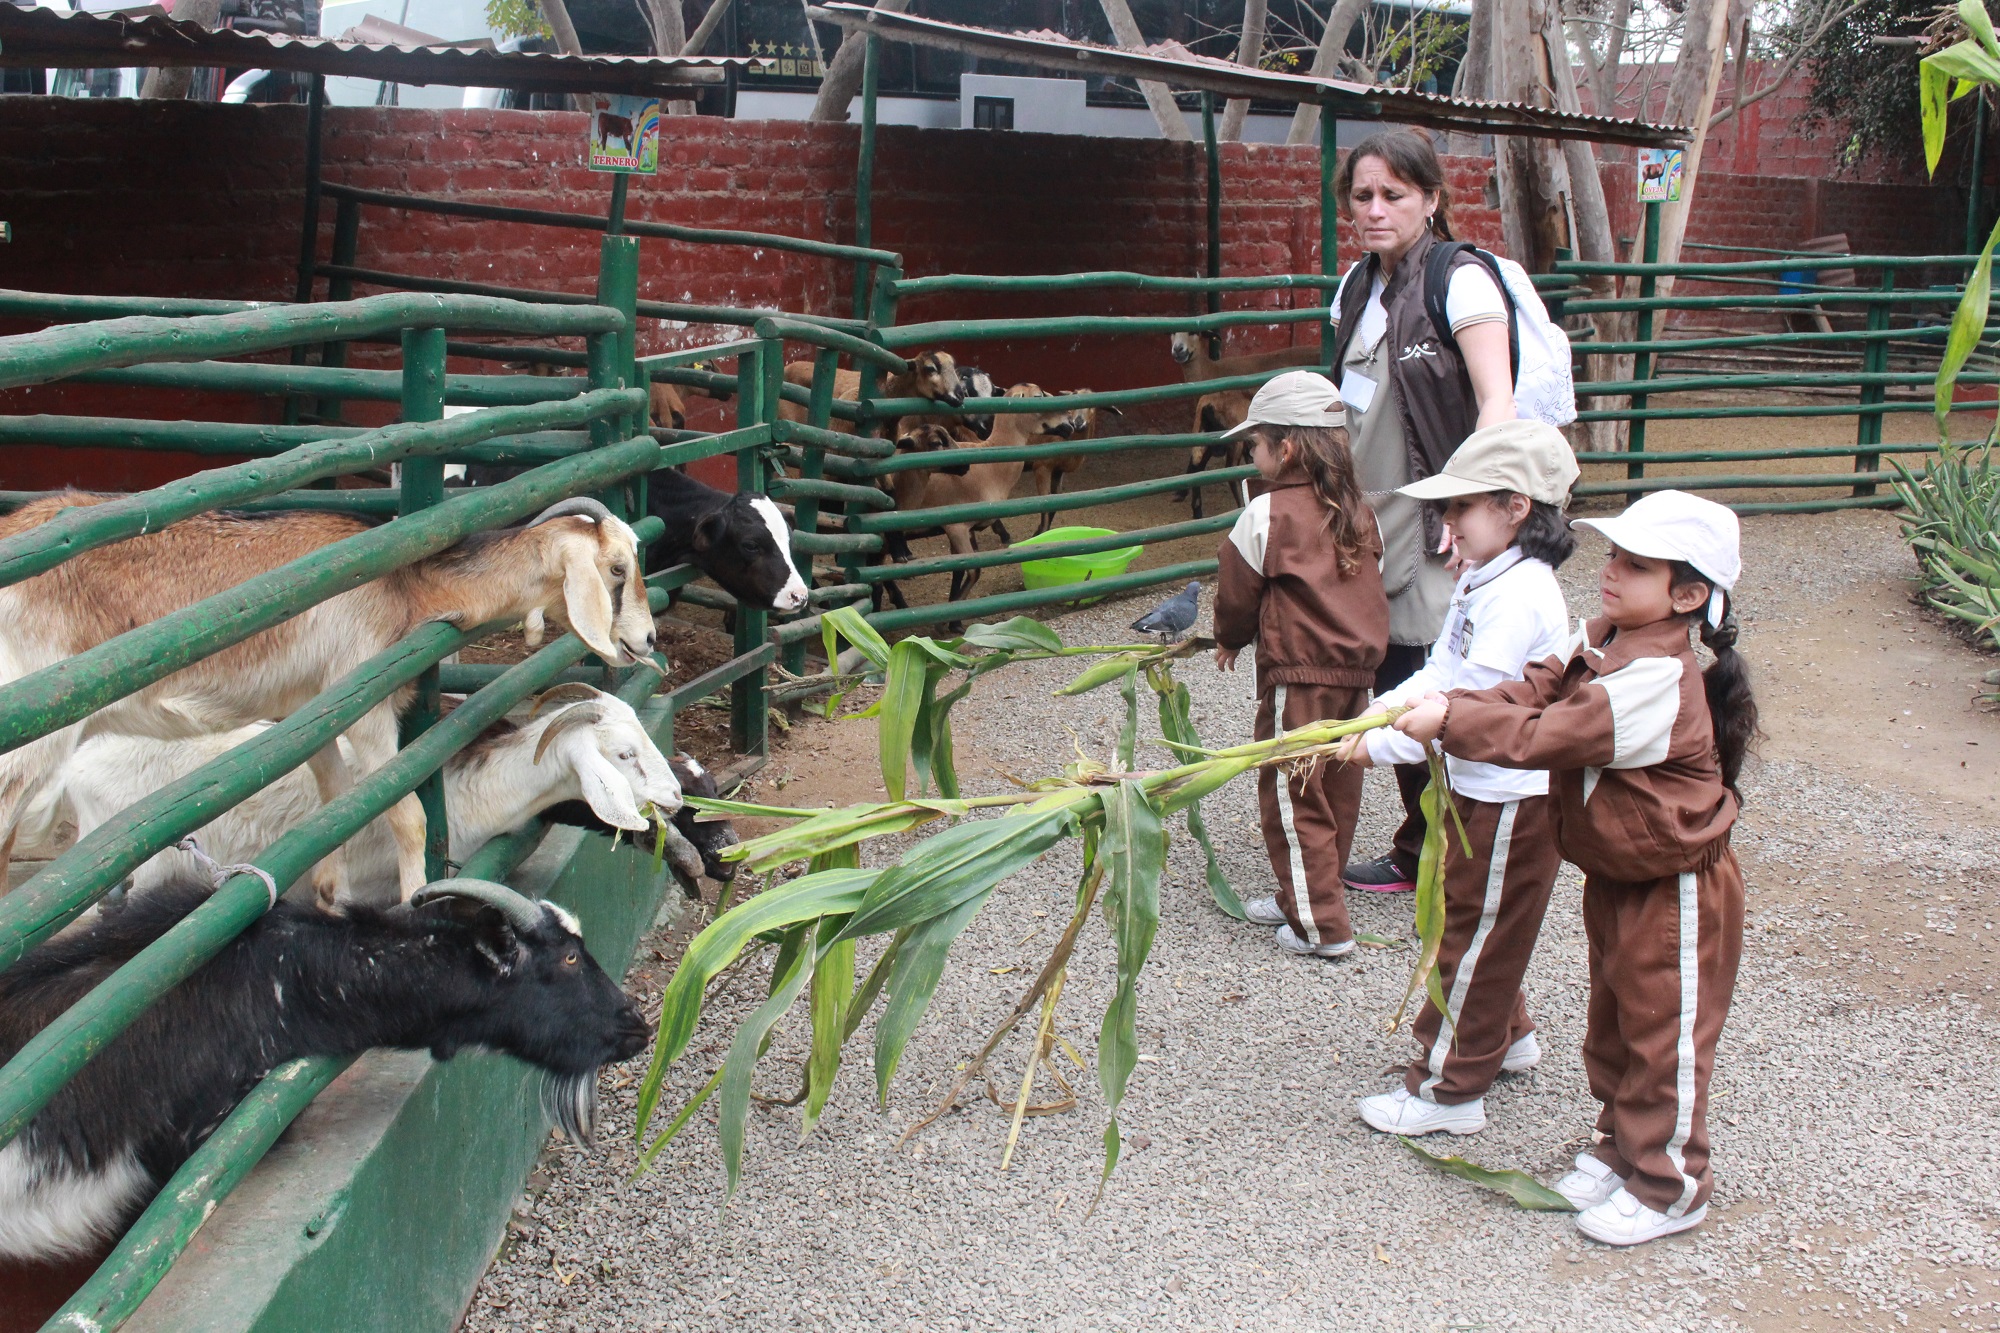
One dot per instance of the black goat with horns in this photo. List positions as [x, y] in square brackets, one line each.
[468, 963]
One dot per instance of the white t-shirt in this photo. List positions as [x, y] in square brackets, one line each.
[1504, 614]
[1472, 297]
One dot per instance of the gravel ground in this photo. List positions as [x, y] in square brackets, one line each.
[1855, 1139]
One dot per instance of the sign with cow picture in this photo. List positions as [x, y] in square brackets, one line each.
[624, 133]
[1660, 175]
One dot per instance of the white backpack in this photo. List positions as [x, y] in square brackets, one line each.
[1544, 389]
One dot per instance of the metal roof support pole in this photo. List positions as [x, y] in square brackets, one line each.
[1214, 269]
[309, 228]
[1642, 362]
[864, 171]
[615, 226]
[422, 487]
[759, 371]
[1329, 219]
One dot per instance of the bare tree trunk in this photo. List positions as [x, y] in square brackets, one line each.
[843, 72]
[1249, 54]
[1533, 175]
[1326, 63]
[175, 82]
[1690, 96]
[669, 36]
[1594, 244]
[706, 28]
[1126, 29]
[1604, 68]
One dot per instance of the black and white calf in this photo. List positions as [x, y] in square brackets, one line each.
[741, 541]
[470, 963]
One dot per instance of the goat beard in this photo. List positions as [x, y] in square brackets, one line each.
[571, 1101]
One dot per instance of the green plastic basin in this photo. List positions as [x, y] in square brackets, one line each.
[1064, 569]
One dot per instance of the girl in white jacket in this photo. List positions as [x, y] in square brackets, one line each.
[1504, 490]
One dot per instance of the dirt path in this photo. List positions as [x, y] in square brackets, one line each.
[1858, 1156]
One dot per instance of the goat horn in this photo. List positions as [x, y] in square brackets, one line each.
[568, 692]
[581, 715]
[576, 504]
[518, 910]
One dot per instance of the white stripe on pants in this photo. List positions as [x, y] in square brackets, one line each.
[1684, 1057]
[1300, 897]
[1461, 983]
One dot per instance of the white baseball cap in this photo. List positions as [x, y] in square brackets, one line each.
[1527, 457]
[1673, 525]
[1295, 398]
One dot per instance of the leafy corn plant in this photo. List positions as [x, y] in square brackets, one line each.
[924, 901]
[1944, 77]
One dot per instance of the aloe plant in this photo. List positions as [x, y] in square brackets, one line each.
[1954, 528]
[925, 900]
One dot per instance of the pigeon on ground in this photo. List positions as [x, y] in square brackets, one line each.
[1173, 617]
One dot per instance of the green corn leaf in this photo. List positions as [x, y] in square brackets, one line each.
[715, 805]
[1133, 851]
[1976, 21]
[1966, 327]
[914, 979]
[803, 899]
[1522, 1188]
[679, 1123]
[1103, 673]
[1932, 85]
[832, 983]
[1177, 730]
[733, 1107]
[838, 827]
[957, 864]
[944, 757]
[864, 995]
[902, 697]
[1020, 634]
[921, 727]
[1128, 735]
[850, 625]
[1429, 909]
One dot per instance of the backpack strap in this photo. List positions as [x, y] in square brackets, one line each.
[1353, 295]
[1437, 286]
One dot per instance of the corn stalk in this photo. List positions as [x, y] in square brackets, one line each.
[1944, 77]
[925, 900]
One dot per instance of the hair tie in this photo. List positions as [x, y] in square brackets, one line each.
[1718, 599]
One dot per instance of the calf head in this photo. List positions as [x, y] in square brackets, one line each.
[710, 837]
[618, 768]
[537, 995]
[603, 592]
[746, 546]
[934, 375]
[916, 436]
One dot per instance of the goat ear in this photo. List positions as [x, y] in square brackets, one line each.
[494, 939]
[586, 601]
[607, 791]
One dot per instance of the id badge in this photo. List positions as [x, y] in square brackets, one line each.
[1356, 390]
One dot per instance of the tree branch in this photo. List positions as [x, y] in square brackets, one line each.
[1786, 70]
[1332, 45]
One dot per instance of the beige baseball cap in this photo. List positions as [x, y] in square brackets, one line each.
[1295, 398]
[1527, 457]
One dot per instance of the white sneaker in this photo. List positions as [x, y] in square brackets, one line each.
[1397, 1112]
[1264, 912]
[1523, 1054]
[1289, 941]
[1591, 1183]
[1623, 1220]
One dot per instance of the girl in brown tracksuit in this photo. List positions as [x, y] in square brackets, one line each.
[1300, 574]
[1643, 750]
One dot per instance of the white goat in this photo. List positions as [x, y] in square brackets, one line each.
[592, 749]
[576, 561]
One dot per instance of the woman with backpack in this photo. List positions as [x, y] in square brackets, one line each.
[1431, 340]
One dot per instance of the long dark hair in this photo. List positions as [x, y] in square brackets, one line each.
[1732, 708]
[1329, 468]
[1410, 157]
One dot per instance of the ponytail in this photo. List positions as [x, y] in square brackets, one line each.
[1732, 708]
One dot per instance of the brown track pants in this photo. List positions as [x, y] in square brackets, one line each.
[1309, 821]
[1494, 901]
[1663, 957]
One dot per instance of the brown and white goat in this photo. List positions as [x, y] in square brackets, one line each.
[1190, 352]
[1214, 413]
[576, 561]
[932, 375]
[1049, 472]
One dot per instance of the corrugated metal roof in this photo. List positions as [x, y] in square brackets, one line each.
[45, 37]
[1176, 66]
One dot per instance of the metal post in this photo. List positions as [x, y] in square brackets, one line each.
[1329, 219]
[864, 172]
[346, 240]
[1642, 362]
[759, 371]
[309, 227]
[1973, 240]
[1214, 211]
[881, 315]
[1874, 360]
[422, 487]
[615, 225]
[618, 287]
[812, 467]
